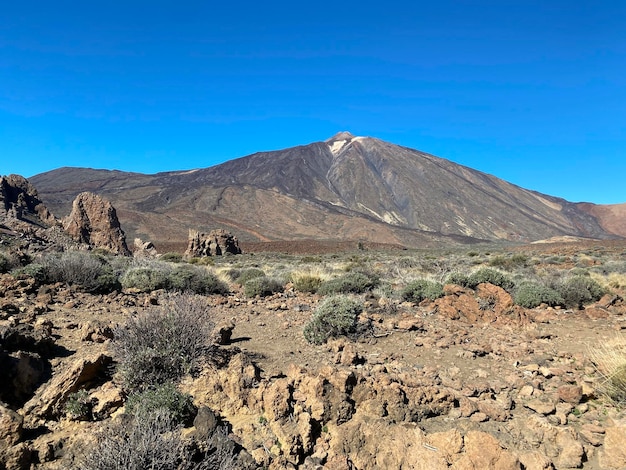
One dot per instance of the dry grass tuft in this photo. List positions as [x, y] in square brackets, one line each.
[610, 362]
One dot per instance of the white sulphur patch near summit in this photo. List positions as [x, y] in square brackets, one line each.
[336, 146]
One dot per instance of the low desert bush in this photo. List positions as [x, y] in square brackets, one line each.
[335, 316]
[306, 281]
[34, 270]
[87, 271]
[262, 286]
[172, 257]
[350, 283]
[78, 406]
[245, 275]
[458, 278]
[532, 294]
[490, 276]
[137, 443]
[164, 396]
[577, 291]
[147, 276]
[508, 263]
[421, 289]
[164, 343]
[154, 441]
[199, 280]
[609, 359]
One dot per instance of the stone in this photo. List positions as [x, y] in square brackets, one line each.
[10, 427]
[94, 221]
[106, 399]
[50, 399]
[214, 243]
[541, 406]
[570, 393]
[571, 450]
[19, 199]
[143, 249]
[612, 456]
[483, 451]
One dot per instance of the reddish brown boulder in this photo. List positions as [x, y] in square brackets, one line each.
[93, 221]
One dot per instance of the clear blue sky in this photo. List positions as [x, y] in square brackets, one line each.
[533, 92]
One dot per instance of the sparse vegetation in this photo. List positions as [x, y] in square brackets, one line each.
[195, 279]
[147, 276]
[154, 441]
[165, 396]
[422, 289]
[577, 291]
[491, 276]
[78, 406]
[532, 294]
[245, 275]
[262, 286]
[306, 281]
[335, 316]
[458, 278]
[164, 343]
[154, 275]
[84, 270]
[172, 257]
[609, 359]
[350, 283]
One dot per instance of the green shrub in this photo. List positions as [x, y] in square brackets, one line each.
[164, 343]
[195, 279]
[532, 294]
[422, 289]
[336, 315]
[34, 270]
[145, 278]
[247, 274]
[87, 271]
[490, 276]
[579, 290]
[78, 405]
[262, 286]
[164, 396]
[350, 283]
[458, 278]
[305, 282]
[172, 257]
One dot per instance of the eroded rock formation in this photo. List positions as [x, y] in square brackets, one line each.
[94, 221]
[216, 242]
[19, 200]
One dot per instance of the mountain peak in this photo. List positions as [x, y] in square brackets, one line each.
[343, 135]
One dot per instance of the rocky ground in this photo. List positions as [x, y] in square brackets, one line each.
[468, 381]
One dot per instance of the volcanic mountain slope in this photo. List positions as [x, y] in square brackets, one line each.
[346, 188]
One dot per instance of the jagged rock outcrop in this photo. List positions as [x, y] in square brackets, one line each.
[19, 200]
[144, 249]
[216, 242]
[94, 221]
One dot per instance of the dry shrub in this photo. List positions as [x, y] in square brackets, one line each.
[164, 343]
[609, 359]
[154, 441]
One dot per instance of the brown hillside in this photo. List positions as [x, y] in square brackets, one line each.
[344, 189]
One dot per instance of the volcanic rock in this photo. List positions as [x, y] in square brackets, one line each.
[94, 221]
[19, 200]
[214, 243]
